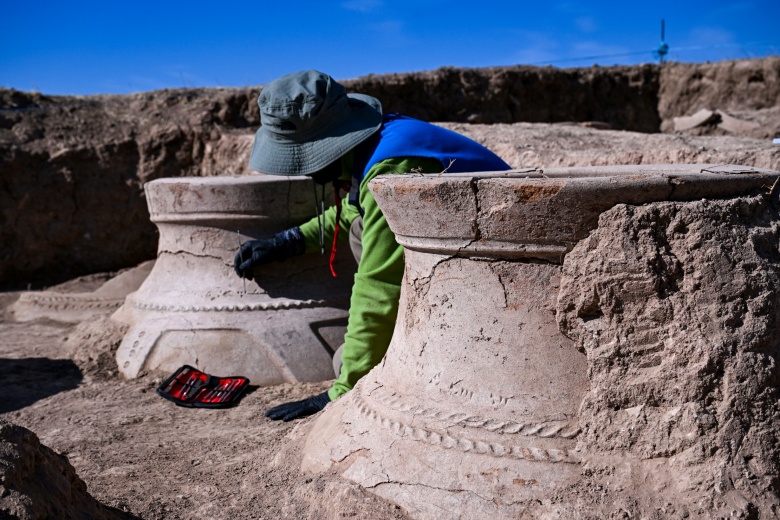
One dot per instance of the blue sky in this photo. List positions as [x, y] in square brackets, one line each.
[83, 48]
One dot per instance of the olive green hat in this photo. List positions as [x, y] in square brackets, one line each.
[308, 121]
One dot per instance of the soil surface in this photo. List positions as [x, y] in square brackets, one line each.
[140, 455]
[674, 303]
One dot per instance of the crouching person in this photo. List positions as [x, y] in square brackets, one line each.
[311, 126]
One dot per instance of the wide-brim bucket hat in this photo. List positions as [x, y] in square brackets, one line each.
[308, 121]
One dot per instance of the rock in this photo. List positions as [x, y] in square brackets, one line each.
[736, 126]
[625, 98]
[37, 483]
[714, 118]
[96, 153]
[92, 345]
[702, 117]
[728, 85]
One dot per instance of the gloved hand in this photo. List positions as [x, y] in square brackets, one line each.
[281, 246]
[290, 411]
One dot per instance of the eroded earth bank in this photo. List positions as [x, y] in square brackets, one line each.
[675, 306]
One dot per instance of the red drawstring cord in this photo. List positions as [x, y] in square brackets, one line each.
[336, 190]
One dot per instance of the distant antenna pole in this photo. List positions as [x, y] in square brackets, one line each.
[663, 47]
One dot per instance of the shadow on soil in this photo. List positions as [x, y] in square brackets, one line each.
[25, 381]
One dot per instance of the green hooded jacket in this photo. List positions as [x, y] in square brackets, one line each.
[377, 287]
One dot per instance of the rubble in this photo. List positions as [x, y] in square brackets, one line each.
[717, 118]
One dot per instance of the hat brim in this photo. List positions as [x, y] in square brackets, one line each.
[279, 156]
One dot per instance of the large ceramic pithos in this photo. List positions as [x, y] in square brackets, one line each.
[473, 412]
[193, 309]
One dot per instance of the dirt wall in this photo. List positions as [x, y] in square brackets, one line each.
[623, 97]
[736, 86]
[72, 168]
[676, 306]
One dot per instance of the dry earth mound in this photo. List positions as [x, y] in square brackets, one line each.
[37, 483]
[748, 90]
[676, 306]
[625, 98]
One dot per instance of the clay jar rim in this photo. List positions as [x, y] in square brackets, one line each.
[233, 198]
[539, 213]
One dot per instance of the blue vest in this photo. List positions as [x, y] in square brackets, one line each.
[402, 136]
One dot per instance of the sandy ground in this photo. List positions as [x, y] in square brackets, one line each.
[141, 454]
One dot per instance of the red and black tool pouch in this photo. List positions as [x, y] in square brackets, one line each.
[189, 386]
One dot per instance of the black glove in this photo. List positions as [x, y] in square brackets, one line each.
[281, 246]
[290, 411]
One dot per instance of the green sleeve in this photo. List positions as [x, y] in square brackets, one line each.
[377, 288]
[311, 229]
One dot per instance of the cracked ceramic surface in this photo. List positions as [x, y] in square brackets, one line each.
[474, 410]
[193, 309]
